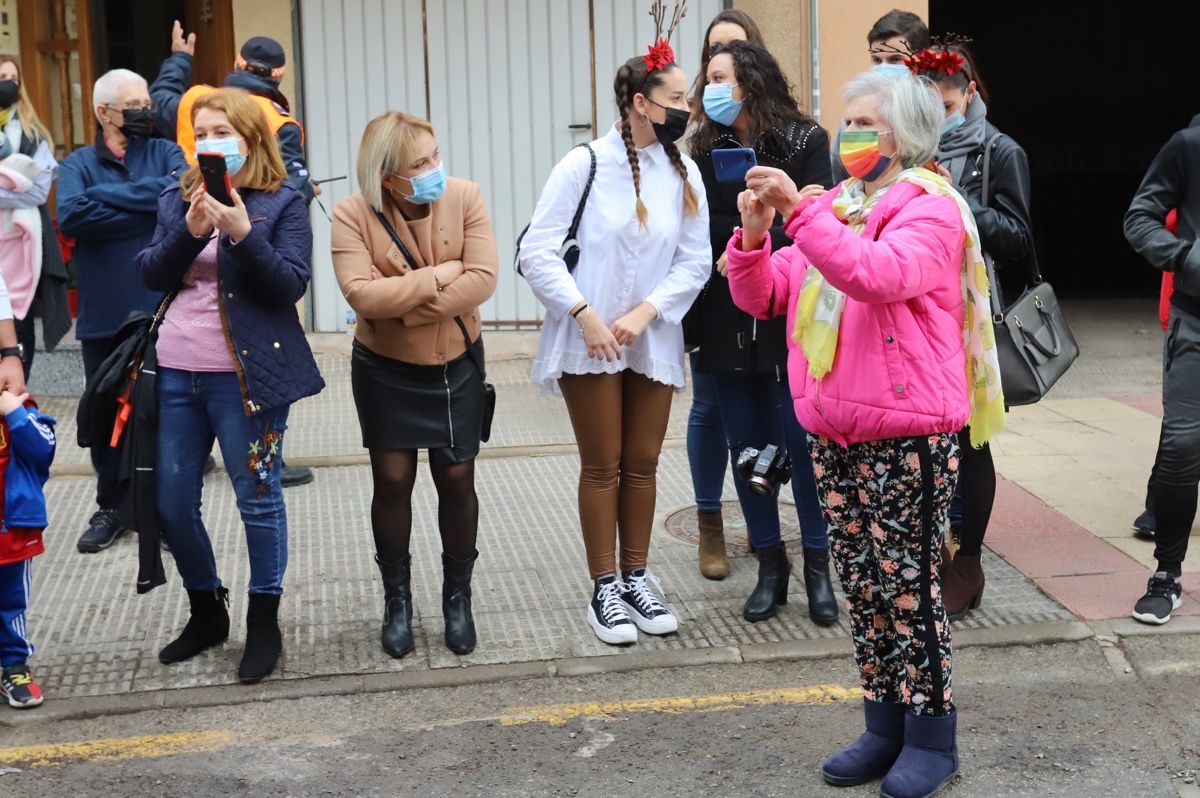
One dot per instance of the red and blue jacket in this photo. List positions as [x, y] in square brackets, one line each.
[26, 451]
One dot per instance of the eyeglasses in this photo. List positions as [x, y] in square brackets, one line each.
[148, 106]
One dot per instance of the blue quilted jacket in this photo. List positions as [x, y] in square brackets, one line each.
[260, 279]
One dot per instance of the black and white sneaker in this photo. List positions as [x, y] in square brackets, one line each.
[643, 598]
[1164, 593]
[607, 614]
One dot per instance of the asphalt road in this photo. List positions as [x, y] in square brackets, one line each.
[1071, 719]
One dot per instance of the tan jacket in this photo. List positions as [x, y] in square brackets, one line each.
[402, 315]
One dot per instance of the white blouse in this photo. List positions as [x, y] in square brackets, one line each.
[621, 264]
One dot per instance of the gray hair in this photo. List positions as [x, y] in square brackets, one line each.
[109, 85]
[912, 108]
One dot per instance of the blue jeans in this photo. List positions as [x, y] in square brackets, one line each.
[757, 410]
[707, 449]
[194, 408]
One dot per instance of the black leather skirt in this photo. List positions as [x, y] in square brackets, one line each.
[406, 406]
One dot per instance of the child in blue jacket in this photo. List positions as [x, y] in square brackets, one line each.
[26, 452]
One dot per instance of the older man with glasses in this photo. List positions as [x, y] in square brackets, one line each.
[108, 201]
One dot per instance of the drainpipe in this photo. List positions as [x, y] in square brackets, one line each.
[814, 50]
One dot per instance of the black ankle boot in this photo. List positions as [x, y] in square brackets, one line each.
[822, 605]
[264, 641]
[207, 626]
[396, 635]
[774, 569]
[456, 603]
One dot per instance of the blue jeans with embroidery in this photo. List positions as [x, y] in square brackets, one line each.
[194, 409]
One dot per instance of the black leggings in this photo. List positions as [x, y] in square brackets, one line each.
[393, 474]
[977, 476]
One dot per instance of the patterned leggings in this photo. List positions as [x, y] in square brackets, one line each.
[887, 504]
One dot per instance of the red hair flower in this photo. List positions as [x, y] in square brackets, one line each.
[936, 61]
[660, 55]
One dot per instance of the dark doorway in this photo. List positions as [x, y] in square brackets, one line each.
[129, 34]
[1091, 91]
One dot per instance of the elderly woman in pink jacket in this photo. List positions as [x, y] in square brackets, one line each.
[891, 353]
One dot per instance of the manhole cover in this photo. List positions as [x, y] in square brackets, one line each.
[682, 524]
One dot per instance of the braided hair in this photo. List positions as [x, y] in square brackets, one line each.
[632, 79]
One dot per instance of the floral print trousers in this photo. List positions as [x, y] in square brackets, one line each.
[887, 503]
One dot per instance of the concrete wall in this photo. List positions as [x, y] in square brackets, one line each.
[269, 18]
[842, 38]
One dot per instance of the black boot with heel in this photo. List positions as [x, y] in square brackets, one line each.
[456, 602]
[264, 640]
[822, 604]
[396, 636]
[774, 570]
[207, 626]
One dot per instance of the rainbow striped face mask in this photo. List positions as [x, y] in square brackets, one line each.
[859, 151]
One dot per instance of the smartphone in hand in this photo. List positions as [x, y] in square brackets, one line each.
[216, 177]
[732, 164]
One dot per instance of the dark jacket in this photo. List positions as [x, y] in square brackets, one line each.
[730, 340]
[109, 205]
[260, 279]
[1005, 226]
[1172, 181]
[174, 78]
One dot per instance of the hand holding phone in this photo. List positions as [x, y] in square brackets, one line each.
[216, 177]
[731, 164]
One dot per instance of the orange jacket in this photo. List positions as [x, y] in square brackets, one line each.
[185, 133]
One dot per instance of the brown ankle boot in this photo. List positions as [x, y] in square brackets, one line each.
[962, 586]
[714, 564]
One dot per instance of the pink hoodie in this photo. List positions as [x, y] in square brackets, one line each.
[900, 368]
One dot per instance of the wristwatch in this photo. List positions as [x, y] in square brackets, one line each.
[13, 351]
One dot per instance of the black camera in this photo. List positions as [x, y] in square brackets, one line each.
[764, 469]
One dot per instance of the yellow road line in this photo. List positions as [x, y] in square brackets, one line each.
[118, 748]
[558, 714]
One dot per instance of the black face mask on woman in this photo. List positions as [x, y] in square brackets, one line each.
[673, 127]
[10, 92]
[137, 122]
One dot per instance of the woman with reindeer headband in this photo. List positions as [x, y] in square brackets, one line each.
[612, 340]
[1006, 234]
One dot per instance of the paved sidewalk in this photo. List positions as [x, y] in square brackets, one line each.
[1073, 471]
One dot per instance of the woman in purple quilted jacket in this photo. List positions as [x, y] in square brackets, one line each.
[232, 358]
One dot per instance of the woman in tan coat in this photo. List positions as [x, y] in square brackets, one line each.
[415, 257]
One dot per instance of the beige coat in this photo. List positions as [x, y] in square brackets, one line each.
[403, 315]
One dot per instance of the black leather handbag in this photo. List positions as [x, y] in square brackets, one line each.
[1034, 343]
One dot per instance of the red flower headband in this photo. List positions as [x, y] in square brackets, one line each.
[939, 61]
[660, 53]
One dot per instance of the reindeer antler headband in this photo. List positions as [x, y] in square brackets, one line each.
[660, 53]
[939, 58]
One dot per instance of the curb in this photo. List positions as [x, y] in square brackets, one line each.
[90, 707]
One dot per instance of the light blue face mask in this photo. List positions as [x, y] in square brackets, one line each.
[953, 121]
[428, 186]
[890, 70]
[719, 103]
[228, 147]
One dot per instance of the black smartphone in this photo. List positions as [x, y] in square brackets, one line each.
[732, 164]
[216, 176]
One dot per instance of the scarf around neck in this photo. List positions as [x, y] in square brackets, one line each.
[958, 144]
[820, 305]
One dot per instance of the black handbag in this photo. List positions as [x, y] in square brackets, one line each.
[569, 251]
[489, 390]
[1034, 343]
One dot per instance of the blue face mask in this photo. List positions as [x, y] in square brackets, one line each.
[428, 186]
[228, 147]
[719, 103]
[953, 121]
[890, 70]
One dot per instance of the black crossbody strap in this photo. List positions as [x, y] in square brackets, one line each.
[587, 189]
[412, 263]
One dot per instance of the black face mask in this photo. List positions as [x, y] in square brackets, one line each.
[10, 92]
[670, 130]
[138, 122]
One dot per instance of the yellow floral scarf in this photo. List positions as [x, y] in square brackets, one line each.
[820, 305]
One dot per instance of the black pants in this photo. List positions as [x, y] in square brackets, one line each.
[27, 337]
[1177, 471]
[106, 461]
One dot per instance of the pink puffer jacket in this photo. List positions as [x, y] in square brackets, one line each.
[900, 368]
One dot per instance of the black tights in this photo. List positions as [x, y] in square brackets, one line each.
[977, 475]
[393, 474]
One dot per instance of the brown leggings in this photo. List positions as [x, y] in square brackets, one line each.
[620, 421]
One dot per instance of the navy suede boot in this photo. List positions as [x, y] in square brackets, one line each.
[870, 756]
[929, 760]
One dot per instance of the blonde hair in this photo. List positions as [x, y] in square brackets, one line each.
[387, 145]
[25, 111]
[264, 167]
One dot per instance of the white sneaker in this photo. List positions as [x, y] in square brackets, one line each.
[644, 600]
[607, 614]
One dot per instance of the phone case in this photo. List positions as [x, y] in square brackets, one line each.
[731, 165]
[216, 177]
